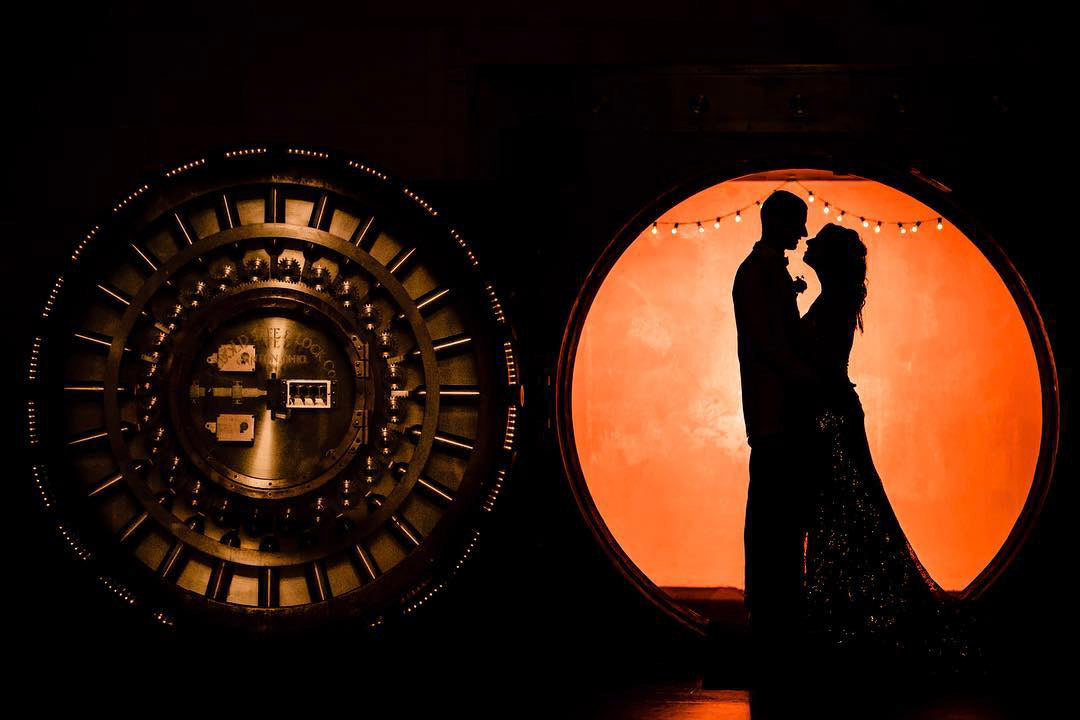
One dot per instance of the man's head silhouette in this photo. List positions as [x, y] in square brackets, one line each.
[783, 220]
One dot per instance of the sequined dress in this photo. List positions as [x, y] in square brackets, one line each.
[867, 596]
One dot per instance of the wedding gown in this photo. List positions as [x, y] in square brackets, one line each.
[867, 596]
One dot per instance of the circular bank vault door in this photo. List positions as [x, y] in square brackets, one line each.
[272, 388]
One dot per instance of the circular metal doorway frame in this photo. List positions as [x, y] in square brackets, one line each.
[914, 184]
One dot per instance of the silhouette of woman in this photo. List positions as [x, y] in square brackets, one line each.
[866, 594]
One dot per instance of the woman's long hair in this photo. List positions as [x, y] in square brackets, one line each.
[844, 261]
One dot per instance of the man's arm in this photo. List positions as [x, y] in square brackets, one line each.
[759, 313]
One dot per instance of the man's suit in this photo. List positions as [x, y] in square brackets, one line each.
[773, 377]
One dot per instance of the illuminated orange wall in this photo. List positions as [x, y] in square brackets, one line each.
[946, 373]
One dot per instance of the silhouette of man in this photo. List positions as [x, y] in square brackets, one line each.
[773, 380]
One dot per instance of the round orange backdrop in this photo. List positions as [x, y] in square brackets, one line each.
[945, 370]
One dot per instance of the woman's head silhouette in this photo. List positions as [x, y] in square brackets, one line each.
[838, 256]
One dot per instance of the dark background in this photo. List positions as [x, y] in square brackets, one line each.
[541, 132]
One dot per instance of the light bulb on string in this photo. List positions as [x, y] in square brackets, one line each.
[838, 214]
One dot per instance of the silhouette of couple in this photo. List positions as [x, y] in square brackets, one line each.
[829, 573]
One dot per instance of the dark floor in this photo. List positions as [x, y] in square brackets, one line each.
[688, 701]
[724, 605]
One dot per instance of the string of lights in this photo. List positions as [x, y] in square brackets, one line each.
[812, 198]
